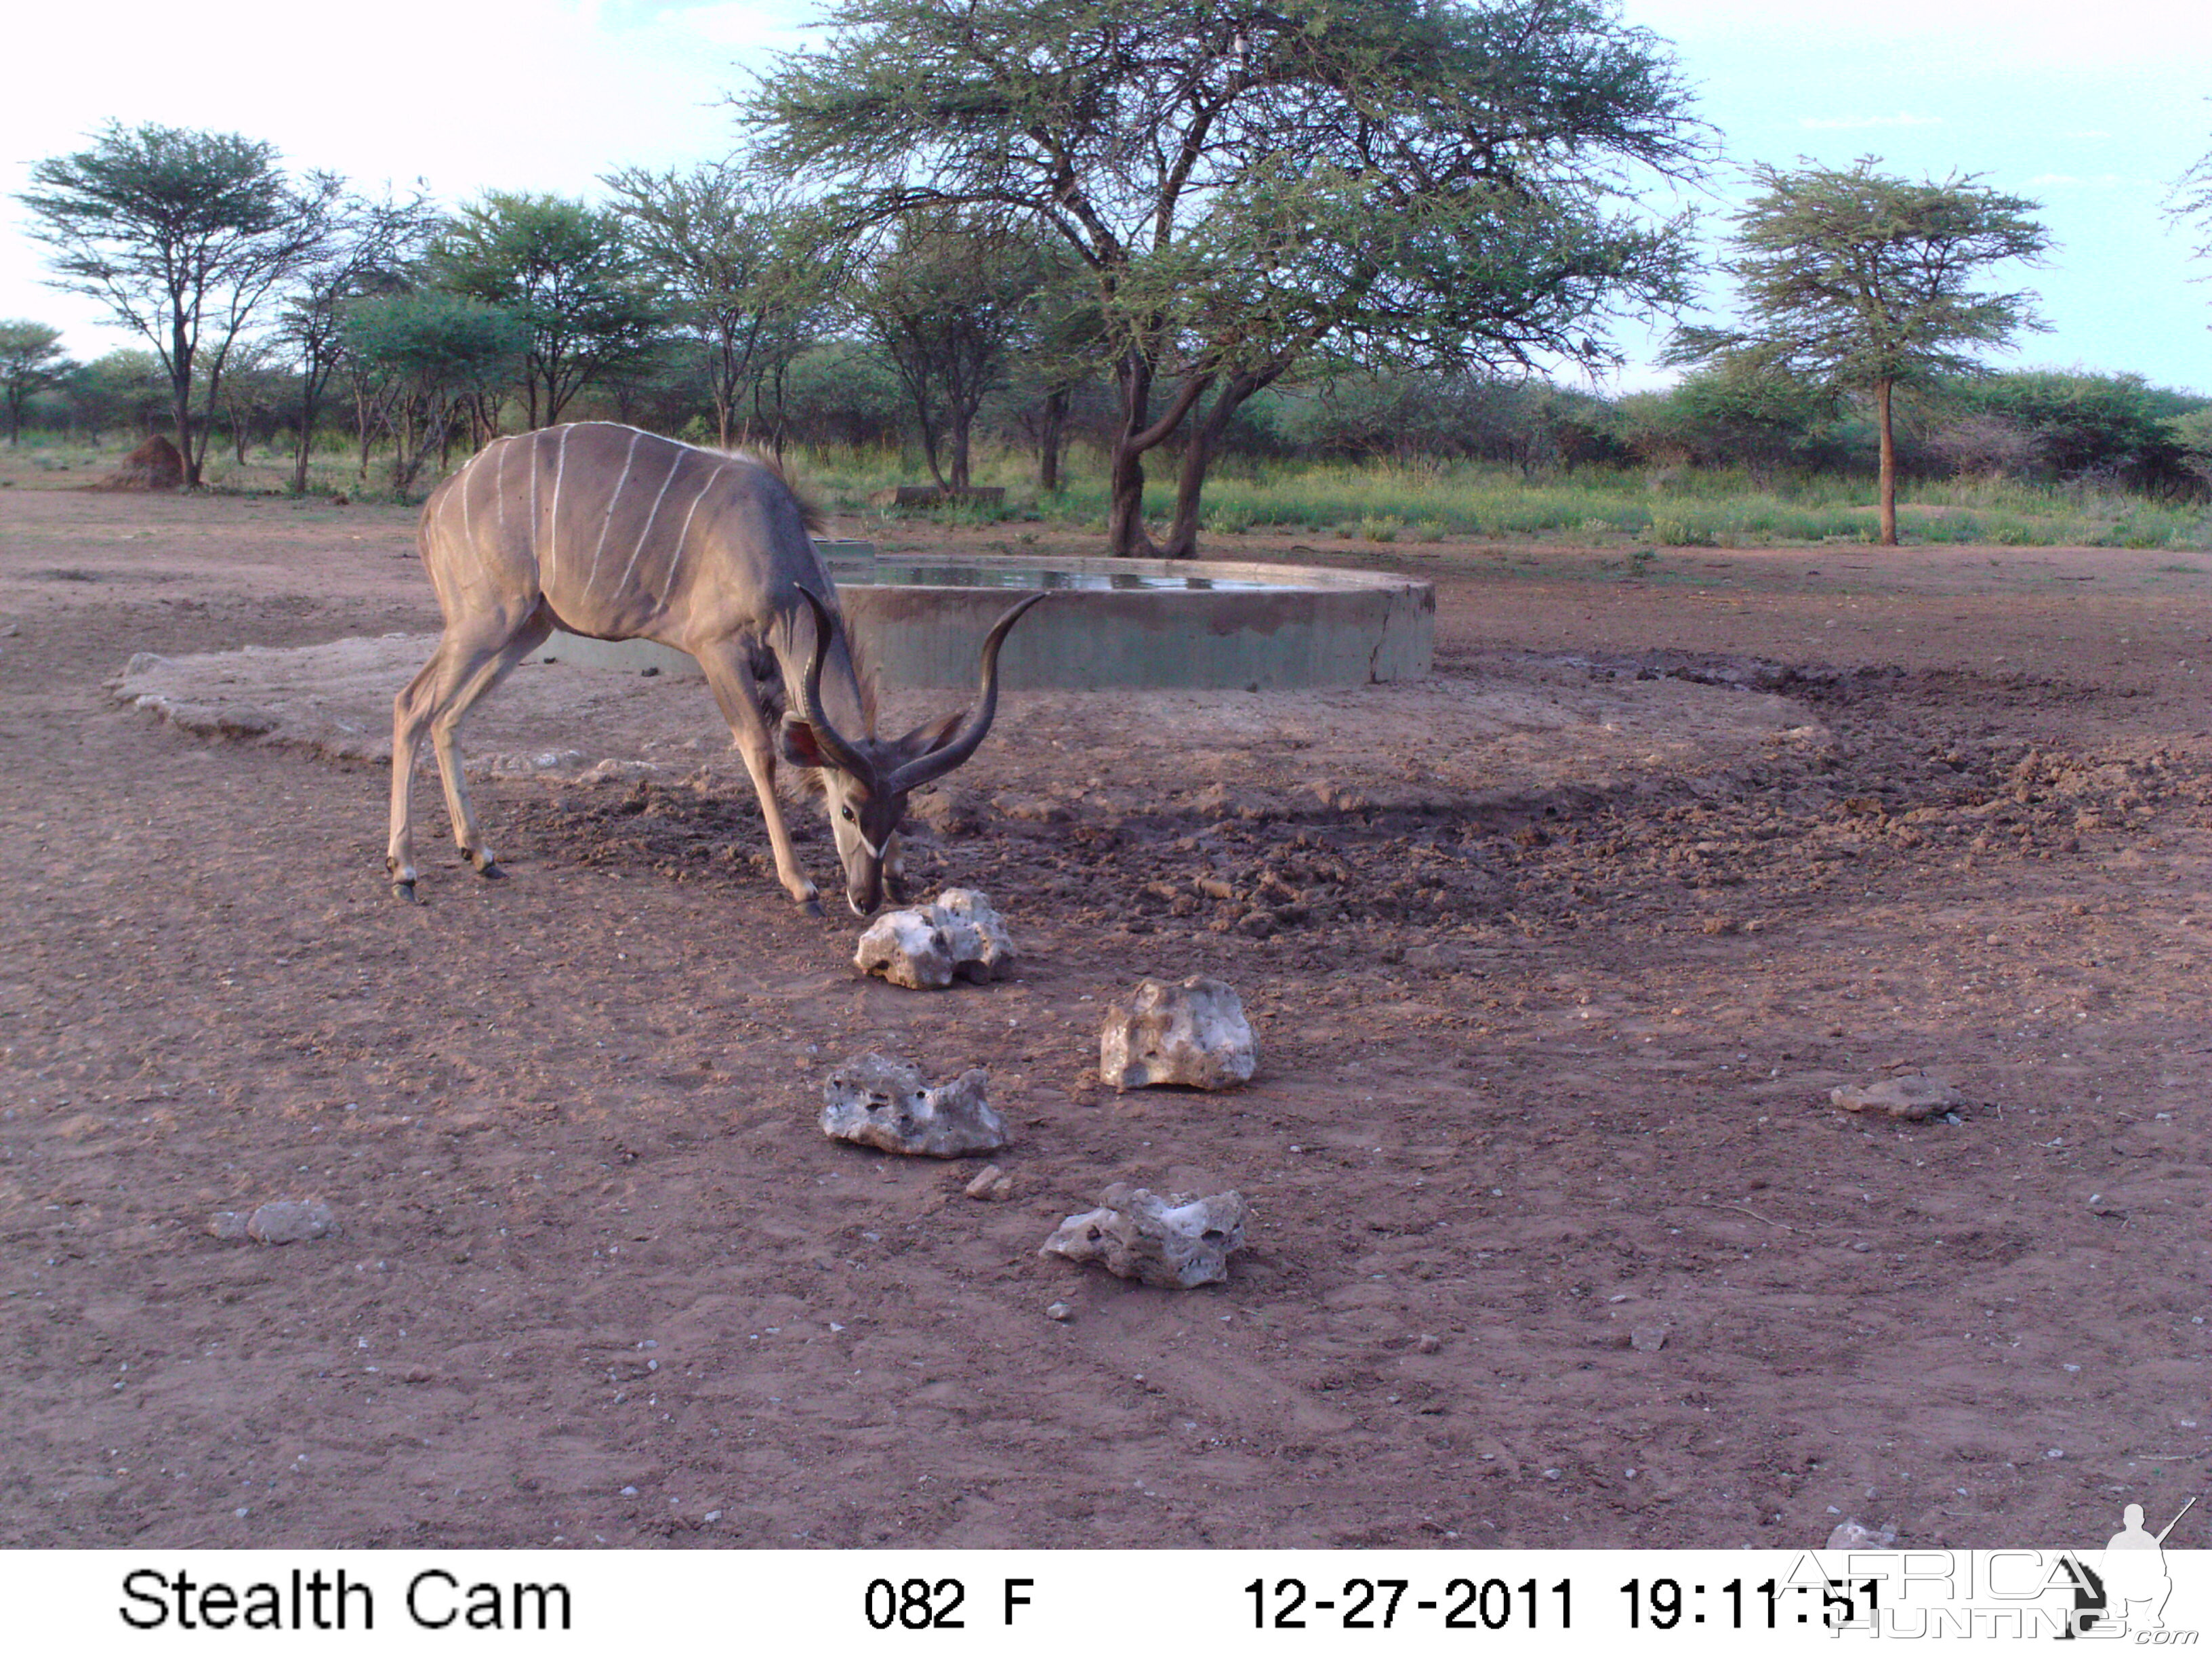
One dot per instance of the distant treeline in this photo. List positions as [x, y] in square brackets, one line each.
[2042, 426]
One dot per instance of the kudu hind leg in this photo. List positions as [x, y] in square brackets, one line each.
[411, 719]
[445, 737]
[457, 661]
[738, 694]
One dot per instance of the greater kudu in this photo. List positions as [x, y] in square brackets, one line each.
[617, 534]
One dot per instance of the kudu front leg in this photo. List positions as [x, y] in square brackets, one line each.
[739, 697]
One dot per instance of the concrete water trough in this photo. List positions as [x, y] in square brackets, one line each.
[1201, 625]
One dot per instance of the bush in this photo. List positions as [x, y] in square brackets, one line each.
[2111, 428]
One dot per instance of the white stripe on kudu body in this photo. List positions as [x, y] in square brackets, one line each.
[614, 497]
[644, 536]
[739, 587]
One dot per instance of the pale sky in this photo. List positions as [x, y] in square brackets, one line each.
[2091, 107]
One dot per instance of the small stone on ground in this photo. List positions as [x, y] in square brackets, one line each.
[1912, 1098]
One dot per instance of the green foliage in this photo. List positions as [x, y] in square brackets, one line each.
[369, 247]
[840, 392]
[130, 389]
[2192, 435]
[2190, 203]
[565, 272]
[1249, 184]
[183, 235]
[31, 359]
[1853, 279]
[417, 357]
[946, 299]
[1450, 415]
[1737, 413]
[740, 272]
[2114, 426]
[1856, 281]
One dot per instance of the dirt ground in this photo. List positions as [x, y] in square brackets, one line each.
[1554, 960]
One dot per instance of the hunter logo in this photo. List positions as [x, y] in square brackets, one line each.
[2133, 1586]
[2119, 1595]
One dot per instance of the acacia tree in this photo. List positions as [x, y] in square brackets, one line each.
[184, 235]
[370, 245]
[1245, 182]
[31, 360]
[1856, 281]
[726, 258]
[946, 299]
[415, 360]
[567, 273]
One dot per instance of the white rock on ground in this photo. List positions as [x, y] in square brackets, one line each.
[1914, 1096]
[959, 936]
[1194, 1034]
[875, 1101]
[982, 950]
[1173, 1243]
[909, 948]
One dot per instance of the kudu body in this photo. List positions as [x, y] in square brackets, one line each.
[619, 534]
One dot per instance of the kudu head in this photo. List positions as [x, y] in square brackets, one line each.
[866, 781]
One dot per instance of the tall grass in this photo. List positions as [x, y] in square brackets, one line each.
[1385, 502]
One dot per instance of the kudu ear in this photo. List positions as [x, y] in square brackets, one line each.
[795, 742]
[930, 736]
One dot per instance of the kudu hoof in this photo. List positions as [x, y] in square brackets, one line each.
[810, 906]
[492, 870]
[404, 892]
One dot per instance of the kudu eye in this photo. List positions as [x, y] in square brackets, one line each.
[849, 818]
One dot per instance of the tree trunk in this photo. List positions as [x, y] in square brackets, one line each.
[1048, 441]
[1125, 512]
[1197, 456]
[962, 421]
[196, 463]
[928, 439]
[1889, 486]
[1125, 470]
[181, 412]
[306, 445]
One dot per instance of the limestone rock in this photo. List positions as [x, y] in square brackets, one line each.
[1913, 1097]
[878, 1101]
[982, 950]
[959, 936]
[908, 948]
[1173, 1243]
[1194, 1034]
[289, 1221]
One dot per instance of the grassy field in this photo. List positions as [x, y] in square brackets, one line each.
[1384, 503]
